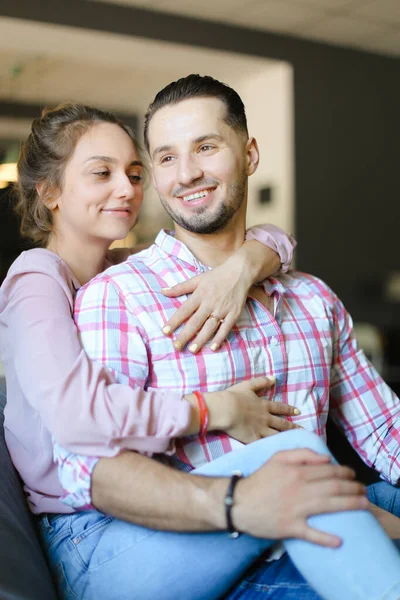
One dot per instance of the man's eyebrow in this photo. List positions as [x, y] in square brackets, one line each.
[161, 149]
[198, 140]
[110, 159]
[208, 136]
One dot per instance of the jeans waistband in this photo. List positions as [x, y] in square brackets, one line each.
[46, 519]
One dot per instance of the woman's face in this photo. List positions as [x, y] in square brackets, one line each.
[101, 189]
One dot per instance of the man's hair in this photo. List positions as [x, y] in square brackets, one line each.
[197, 86]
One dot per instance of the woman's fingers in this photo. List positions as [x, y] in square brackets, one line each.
[190, 329]
[223, 332]
[279, 408]
[183, 313]
[205, 333]
[256, 384]
[279, 424]
[209, 328]
[181, 289]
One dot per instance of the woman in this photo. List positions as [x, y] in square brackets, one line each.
[50, 381]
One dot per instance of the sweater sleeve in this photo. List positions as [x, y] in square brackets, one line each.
[77, 398]
[276, 239]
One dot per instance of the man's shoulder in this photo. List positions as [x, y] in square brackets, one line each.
[307, 286]
[131, 276]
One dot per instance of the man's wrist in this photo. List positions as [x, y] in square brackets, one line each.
[209, 495]
[238, 511]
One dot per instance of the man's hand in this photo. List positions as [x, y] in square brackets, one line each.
[389, 522]
[293, 485]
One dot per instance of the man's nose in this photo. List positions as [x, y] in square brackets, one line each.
[189, 170]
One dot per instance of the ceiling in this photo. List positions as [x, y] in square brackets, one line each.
[45, 64]
[372, 25]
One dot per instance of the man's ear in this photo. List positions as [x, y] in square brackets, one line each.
[252, 156]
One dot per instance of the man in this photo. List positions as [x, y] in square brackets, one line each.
[293, 327]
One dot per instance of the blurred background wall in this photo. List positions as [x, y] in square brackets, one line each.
[321, 81]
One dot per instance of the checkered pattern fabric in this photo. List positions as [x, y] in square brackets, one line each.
[307, 344]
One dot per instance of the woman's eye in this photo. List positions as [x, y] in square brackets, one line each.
[135, 178]
[102, 173]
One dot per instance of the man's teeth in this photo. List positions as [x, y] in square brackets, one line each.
[195, 196]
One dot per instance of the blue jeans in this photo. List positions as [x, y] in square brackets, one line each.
[281, 580]
[96, 557]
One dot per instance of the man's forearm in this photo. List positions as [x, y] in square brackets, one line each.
[136, 489]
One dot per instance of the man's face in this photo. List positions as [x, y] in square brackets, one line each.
[200, 164]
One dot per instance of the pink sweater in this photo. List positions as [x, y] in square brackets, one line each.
[54, 389]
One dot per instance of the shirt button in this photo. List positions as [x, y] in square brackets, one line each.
[273, 341]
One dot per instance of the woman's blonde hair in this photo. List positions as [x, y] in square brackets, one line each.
[43, 158]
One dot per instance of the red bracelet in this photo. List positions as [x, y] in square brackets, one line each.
[203, 412]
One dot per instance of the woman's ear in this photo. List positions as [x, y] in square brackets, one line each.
[46, 196]
[252, 156]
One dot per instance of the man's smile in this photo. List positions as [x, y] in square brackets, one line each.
[198, 196]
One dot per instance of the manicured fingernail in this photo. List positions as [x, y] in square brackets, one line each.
[165, 289]
[272, 378]
[214, 347]
[297, 412]
[178, 345]
[193, 348]
[166, 329]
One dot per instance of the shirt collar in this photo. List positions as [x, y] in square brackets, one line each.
[170, 245]
[272, 285]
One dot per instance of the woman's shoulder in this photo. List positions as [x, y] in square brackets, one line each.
[39, 261]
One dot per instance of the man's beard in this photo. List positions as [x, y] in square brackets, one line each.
[204, 220]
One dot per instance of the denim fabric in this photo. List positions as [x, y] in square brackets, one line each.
[385, 496]
[281, 580]
[274, 580]
[96, 557]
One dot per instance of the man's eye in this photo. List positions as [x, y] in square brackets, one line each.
[206, 147]
[166, 159]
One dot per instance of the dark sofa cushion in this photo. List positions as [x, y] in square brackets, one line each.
[24, 574]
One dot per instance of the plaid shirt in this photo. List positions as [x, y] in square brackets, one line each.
[307, 344]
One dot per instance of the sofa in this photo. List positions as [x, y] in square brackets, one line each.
[24, 574]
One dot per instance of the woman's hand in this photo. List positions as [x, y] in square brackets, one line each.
[217, 298]
[242, 414]
[256, 417]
